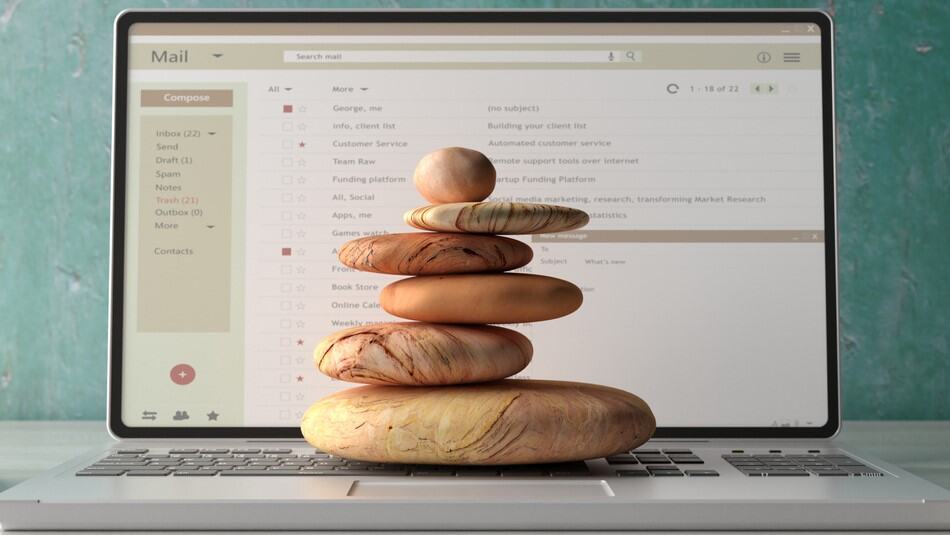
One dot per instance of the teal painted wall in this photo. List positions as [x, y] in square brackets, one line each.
[894, 198]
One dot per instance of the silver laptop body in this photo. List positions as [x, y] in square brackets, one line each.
[249, 144]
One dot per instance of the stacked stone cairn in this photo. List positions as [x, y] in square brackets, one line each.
[437, 390]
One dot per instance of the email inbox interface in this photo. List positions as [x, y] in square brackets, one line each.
[252, 158]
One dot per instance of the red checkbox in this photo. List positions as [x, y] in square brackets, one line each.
[288, 108]
[285, 251]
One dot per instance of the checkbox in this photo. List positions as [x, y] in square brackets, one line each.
[287, 180]
[285, 342]
[286, 215]
[285, 396]
[286, 269]
[285, 377]
[285, 323]
[285, 287]
[285, 360]
[286, 234]
[287, 197]
[287, 144]
[284, 415]
[287, 162]
[287, 126]
[286, 305]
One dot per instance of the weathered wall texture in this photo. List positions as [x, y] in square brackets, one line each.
[894, 198]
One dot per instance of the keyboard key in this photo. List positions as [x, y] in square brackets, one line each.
[650, 459]
[433, 473]
[180, 451]
[784, 473]
[200, 473]
[645, 451]
[667, 473]
[320, 472]
[686, 459]
[215, 450]
[276, 451]
[702, 473]
[678, 452]
[147, 473]
[835, 473]
[134, 451]
[633, 473]
[88, 472]
[625, 460]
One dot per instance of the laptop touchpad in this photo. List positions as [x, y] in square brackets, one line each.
[450, 490]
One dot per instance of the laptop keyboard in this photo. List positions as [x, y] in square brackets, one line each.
[225, 462]
[673, 462]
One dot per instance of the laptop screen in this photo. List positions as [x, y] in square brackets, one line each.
[254, 151]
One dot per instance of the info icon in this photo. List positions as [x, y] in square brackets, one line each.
[182, 374]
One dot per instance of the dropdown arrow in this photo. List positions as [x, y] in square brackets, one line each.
[288, 89]
[363, 88]
[212, 133]
[217, 55]
[210, 226]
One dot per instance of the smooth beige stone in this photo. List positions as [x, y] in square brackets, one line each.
[496, 218]
[454, 174]
[485, 298]
[504, 422]
[422, 354]
[434, 253]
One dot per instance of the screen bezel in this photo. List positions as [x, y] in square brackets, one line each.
[126, 19]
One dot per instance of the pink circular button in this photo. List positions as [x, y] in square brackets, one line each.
[182, 374]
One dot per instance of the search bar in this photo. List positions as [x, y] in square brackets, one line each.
[462, 56]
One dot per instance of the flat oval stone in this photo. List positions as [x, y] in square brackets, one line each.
[485, 298]
[434, 253]
[496, 218]
[454, 174]
[422, 354]
[503, 422]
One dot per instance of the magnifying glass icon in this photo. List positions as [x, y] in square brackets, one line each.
[633, 55]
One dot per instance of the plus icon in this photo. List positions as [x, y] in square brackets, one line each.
[182, 374]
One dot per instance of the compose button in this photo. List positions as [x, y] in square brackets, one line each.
[187, 98]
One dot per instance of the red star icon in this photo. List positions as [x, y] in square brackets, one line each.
[302, 144]
[300, 341]
[300, 378]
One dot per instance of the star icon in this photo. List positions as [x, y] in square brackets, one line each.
[301, 324]
[300, 378]
[213, 416]
[300, 397]
[300, 341]
[301, 234]
[301, 180]
[302, 144]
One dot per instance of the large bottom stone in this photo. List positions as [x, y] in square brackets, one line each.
[504, 422]
[422, 354]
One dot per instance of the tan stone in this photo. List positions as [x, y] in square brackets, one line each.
[422, 354]
[504, 422]
[484, 298]
[454, 174]
[434, 253]
[496, 218]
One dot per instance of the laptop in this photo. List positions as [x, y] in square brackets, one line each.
[249, 145]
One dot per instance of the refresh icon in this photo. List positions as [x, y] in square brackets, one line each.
[672, 88]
